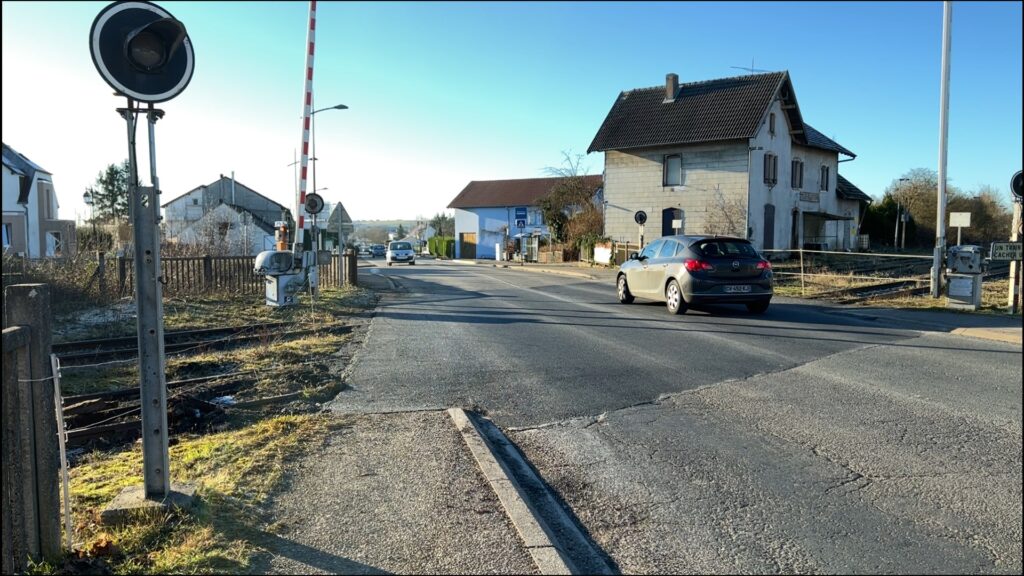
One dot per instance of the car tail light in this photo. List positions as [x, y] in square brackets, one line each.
[696, 265]
[764, 265]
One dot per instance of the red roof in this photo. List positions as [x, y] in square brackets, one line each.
[501, 193]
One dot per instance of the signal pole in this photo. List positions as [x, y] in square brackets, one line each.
[940, 220]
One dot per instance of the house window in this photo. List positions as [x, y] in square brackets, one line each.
[824, 178]
[771, 169]
[771, 123]
[533, 218]
[7, 236]
[195, 201]
[54, 244]
[798, 174]
[673, 170]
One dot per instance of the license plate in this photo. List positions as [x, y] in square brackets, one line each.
[737, 289]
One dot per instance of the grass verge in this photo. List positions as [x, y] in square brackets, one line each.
[235, 470]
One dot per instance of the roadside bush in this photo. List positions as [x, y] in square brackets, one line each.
[72, 280]
[441, 246]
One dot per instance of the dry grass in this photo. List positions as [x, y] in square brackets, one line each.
[235, 470]
[234, 473]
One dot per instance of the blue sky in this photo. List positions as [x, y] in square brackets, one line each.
[444, 93]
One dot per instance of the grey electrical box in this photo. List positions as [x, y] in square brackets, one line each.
[965, 260]
[963, 291]
[273, 262]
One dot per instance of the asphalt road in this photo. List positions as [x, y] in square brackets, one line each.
[802, 440]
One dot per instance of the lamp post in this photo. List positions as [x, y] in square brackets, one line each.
[896, 234]
[312, 119]
[87, 198]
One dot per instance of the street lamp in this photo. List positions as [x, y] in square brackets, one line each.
[312, 118]
[88, 199]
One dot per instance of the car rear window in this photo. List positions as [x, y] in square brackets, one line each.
[401, 246]
[727, 249]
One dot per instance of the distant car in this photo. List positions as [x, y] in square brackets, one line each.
[378, 250]
[686, 270]
[364, 250]
[400, 252]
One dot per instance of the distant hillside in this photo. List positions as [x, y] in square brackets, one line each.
[360, 224]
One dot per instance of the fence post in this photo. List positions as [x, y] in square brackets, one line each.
[101, 271]
[207, 271]
[350, 266]
[122, 273]
[29, 305]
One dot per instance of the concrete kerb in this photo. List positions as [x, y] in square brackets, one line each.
[1008, 335]
[537, 536]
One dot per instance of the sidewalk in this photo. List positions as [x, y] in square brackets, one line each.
[390, 493]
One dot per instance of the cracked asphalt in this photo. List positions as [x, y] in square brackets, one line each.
[803, 440]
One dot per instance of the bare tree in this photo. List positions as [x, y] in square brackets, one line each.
[569, 209]
[726, 216]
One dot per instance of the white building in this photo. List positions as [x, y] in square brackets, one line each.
[731, 156]
[30, 209]
[224, 215]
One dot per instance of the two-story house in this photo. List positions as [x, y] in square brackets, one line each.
[226, 215]
[30, 223]
[731, 156]
[486, 214]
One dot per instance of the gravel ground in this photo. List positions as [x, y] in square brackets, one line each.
[392, 493]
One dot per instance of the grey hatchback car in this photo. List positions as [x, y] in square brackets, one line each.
[686, 270]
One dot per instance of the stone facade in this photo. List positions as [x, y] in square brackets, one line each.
[723, 191]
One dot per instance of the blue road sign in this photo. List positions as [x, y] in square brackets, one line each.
[521, 223]
[520, 213]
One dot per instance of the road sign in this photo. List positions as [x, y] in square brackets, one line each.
[520, 213]
[959, 219]
[521, 224]
[1016, 184]
[1005, 251]
[640, 217]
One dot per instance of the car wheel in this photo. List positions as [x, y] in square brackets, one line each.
[389, 263]
[674, 298]
[758, 307]
[625, 297]
[412, 263]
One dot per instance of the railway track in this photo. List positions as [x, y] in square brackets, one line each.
[121, 348]
[894, 289]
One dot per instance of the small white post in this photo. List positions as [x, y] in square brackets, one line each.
[61, 440]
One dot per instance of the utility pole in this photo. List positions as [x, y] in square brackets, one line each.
[1016, 277]
[896, 233]
[940, 220]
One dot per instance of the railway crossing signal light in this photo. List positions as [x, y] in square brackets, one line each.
[141, 51]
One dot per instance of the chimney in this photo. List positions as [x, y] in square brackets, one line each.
[671, 87]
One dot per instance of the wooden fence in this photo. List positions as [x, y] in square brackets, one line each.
[31, 504]
[204, 274]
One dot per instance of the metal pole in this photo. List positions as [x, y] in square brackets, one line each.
[958, 229]
[69, 530]
[940, 220]
[1016, 287]
[896, 234]
[903, 240]
[149, 304]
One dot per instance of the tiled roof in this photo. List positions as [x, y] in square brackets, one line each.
[500, 193]
[22, 166]
[712, 110]
[816, 139]
[847, 191]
